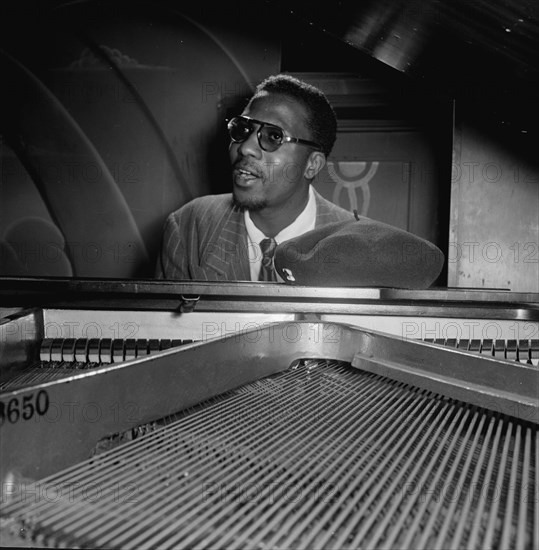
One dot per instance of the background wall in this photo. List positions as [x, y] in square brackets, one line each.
[112, 117]
[494, 240]
[112, 114]
[388, 158]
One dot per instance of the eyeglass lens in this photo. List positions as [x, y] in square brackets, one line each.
[270, 137]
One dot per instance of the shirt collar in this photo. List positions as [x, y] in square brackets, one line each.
[303, 223]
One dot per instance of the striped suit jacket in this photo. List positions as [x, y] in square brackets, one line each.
[206, 239]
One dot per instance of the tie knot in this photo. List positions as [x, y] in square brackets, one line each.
[268, 247]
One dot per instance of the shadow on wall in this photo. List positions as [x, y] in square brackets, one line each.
[48, 247]
[108, 124]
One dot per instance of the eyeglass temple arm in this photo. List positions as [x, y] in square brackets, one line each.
[287, 139]
[304, 141]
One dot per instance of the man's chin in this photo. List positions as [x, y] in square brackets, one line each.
[245, 202]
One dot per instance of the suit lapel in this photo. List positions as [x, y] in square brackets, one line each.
[226, 254]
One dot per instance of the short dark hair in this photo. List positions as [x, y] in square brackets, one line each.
[322, 121]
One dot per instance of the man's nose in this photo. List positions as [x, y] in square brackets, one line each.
[250, 147]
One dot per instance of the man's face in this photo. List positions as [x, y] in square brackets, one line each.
[264, 179]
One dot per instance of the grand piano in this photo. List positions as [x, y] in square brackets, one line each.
[164, 414]
[138, 413]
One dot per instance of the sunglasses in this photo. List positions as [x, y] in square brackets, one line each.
[270, 137]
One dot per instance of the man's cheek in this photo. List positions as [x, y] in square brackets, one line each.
[271, 171]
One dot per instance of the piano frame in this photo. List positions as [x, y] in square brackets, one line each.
[254, 329]
[240, 334]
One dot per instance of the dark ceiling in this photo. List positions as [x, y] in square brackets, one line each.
[481, 53]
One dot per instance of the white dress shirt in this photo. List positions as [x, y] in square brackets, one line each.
[303, 223]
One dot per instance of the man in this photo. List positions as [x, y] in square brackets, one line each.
[278, 145]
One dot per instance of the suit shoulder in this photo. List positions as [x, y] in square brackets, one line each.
[328, 211]
[206, 205]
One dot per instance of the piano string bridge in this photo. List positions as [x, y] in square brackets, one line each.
[106, 350]
[61, 357]
[523, 350]
[102, 350]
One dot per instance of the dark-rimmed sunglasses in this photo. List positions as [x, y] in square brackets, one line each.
[270, 137]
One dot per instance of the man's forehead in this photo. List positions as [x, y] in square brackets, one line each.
[278, 109]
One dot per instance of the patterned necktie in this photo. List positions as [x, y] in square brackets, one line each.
[267, 273]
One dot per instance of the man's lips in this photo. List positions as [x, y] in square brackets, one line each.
[246, 173]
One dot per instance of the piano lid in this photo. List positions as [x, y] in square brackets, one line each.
[478, 52]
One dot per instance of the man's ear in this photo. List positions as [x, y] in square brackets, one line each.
[315, 163]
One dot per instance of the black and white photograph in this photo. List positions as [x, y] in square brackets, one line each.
[269, 274]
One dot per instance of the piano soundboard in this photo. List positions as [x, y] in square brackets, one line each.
[267, 416]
